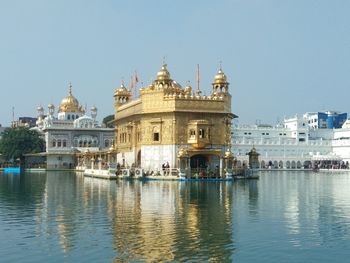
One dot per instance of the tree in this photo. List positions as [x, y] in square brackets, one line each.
[108, 121]
[16, 142]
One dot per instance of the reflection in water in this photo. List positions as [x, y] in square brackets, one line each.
[66, 217]
[172, 221]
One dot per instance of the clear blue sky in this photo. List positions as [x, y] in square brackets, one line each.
[281, 57]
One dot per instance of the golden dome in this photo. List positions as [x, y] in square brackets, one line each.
[228, 154]
[220, 77]
[122, 90]
[70, 103]
[188, 89]
[163, 74]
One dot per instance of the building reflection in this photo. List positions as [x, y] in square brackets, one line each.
[166, 221]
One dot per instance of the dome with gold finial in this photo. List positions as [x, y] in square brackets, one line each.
[163, 74]
[220, 77]
[122, 90]
[70, 103]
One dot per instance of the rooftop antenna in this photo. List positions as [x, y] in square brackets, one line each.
[13, 114]
[198, 81]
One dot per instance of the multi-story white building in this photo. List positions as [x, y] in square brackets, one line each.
[71, 132]
[296, 143]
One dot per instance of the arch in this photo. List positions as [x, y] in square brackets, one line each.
[293, 165]
[239, 164]
[288, 164]
[307, 164]
[198, 161]
[275, 165]
[280, 165]
[299, 165]
[263, 165]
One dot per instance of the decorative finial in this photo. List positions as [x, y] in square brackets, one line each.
[164, 60]
[70, 88]
[220, 65]
[198, 81]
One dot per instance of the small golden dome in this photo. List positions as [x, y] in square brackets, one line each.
[220, 77]
[122, 90]
[188, 89]
[50, 106]
[70, 103]
[163, 74]
[93, 108]
[39, 108]
[228, 154]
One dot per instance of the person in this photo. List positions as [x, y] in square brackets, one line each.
[163, 168]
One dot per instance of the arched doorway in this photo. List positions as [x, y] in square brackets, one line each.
[280, 165]
[299, 165]
[288, 164]
[293, 165]
[205, 165]
[198, 161]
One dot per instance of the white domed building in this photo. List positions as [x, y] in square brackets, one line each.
[71, 132]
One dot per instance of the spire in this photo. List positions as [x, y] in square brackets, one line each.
[70, 89]
[198, 81]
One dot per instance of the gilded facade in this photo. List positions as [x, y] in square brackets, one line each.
[168, 122]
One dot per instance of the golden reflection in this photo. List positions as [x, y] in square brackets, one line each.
[147, 221]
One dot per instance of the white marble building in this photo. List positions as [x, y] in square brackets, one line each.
[71, 132]
[293, 144]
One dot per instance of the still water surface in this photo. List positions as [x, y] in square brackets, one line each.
[282, 217]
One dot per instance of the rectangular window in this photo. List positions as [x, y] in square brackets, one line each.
[192, 134]
[156, 136]
[201, 133]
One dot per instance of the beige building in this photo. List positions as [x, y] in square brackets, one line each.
[174, 125]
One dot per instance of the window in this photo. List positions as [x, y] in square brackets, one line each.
[58, 143]
[201, 133]
[64, 143]
[106, 143]
[53, 143]
[192, 134]
[156, 136]
[68, 117]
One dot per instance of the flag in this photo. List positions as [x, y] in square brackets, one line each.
[136, 78]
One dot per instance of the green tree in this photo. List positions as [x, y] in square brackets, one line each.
[16, 142]
[108, 121]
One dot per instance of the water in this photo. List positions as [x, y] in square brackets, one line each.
[282, 217]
